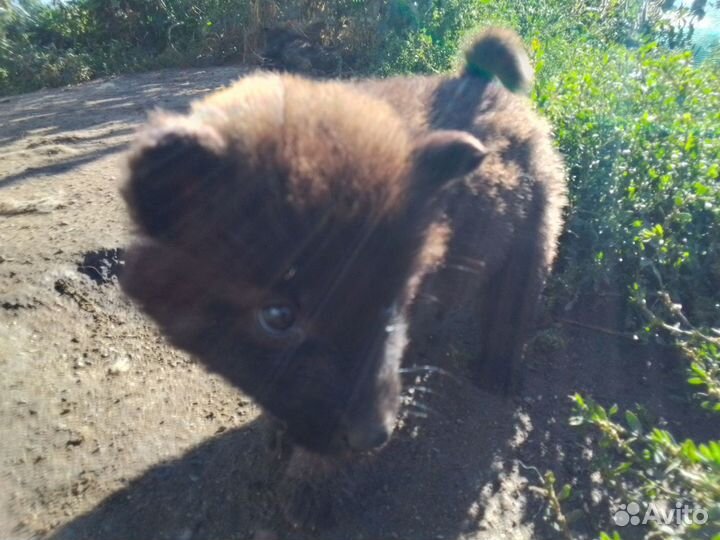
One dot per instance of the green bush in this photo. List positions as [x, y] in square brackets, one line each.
[644, 463]
[641, 134]
[76, 39]
[640, 130]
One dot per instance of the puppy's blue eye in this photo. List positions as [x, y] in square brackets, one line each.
[276, 318]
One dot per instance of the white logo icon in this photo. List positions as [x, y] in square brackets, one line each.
[665, 514]
[627, 514]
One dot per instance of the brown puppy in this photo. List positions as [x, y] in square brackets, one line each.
[287, 225]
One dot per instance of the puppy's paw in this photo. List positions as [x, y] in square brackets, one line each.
[306, 505]
[308, 490]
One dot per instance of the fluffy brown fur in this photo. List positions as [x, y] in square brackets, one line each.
[288, 224]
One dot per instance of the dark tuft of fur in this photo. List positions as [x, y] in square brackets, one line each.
[499, 52]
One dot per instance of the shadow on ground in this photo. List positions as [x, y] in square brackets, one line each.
[462, 472]
[425, 484]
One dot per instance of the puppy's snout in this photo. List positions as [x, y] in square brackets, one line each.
[368, 437]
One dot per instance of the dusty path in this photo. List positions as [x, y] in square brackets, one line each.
[108, 433]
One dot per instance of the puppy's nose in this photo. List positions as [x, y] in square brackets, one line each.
[369, 437]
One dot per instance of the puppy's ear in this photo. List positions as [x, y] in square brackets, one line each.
[176, 164]
[443, 156]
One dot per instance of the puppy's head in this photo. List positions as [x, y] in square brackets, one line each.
[281, 224]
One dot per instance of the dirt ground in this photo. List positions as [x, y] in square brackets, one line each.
[109, 433]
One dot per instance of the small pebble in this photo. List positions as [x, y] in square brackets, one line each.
[121, 365]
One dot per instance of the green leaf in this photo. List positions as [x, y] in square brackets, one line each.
[690, 142]
[701, 189]
[698, 370]
[633, 422]
[579, 401]
[714, 171]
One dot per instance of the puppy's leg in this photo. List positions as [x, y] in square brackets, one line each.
[508, 302]
[308, 489]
